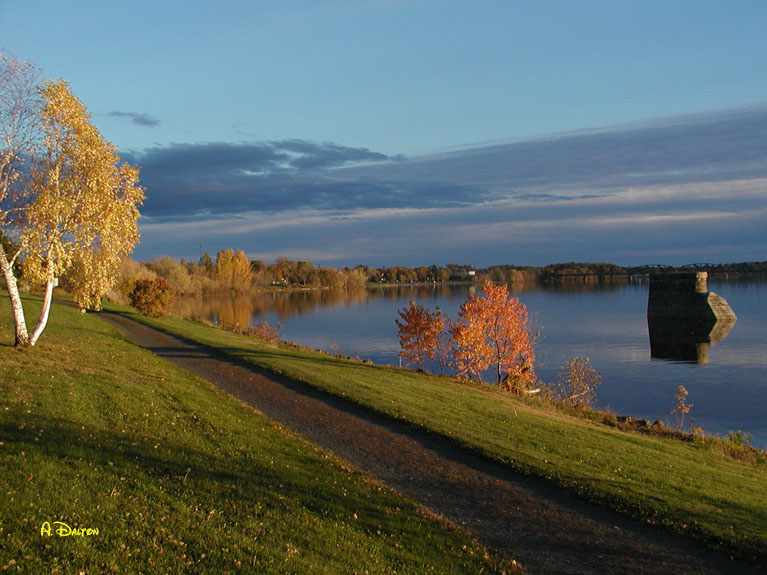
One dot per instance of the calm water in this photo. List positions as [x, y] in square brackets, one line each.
[607, 324]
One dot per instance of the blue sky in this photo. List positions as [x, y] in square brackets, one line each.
[419, 132]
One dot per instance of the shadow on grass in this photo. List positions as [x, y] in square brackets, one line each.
[184, 472]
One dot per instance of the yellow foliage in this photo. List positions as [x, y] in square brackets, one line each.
[82, 202]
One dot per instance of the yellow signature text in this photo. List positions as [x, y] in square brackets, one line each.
[63, 530]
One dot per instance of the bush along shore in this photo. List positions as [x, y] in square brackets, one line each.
[707, 488]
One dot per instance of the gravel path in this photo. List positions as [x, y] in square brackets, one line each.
[541, 527]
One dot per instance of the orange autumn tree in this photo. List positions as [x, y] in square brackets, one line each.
[420, 334]
[491, 331]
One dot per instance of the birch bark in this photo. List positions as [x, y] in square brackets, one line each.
[22, 337]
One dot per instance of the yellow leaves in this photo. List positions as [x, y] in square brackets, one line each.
[76, 207]
[233, 269]
[84, 212]
[491, 331]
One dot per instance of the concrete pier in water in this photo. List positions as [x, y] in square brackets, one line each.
[683, 317]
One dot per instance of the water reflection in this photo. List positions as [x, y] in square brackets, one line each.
[586, 283]
[685, 340]
[245, 309]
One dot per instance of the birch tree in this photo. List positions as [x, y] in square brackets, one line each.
[19, 124]
[74, 209]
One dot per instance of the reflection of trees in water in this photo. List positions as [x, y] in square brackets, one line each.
[297, 302]
[224, 309]
[245, 309]
[416, 291]
[236, 311]
[591, 283]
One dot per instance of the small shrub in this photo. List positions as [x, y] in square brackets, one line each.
[265, 331]
[737, 445]
[152, 297]
[681, 407]
[519, 385]
[577, 383]
[739, 438]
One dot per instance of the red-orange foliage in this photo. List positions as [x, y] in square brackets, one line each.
[420, 334]
[492, 331]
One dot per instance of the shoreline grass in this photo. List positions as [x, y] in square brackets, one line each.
[179, 477]
[689, 487]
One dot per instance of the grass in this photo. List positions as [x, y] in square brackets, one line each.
[689, 487]
[178, 477]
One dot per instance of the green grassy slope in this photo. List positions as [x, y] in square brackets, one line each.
[689, 487]
[178, 477]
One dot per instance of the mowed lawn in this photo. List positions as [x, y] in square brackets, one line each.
[711, 490]
[178, 477]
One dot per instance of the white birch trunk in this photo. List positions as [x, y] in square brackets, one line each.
[22, 337]
[44, 313]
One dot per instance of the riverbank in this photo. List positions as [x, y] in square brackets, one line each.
[549, 531]
[607, 324]
[691, 487]
[177, 476]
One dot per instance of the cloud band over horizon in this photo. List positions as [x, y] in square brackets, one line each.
[675, 188]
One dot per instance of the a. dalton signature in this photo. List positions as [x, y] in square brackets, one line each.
[63, 530]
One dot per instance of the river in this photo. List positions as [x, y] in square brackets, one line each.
[606, 322]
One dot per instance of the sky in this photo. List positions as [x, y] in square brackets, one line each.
[426, 132]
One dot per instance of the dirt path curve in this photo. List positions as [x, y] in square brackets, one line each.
[546, 530]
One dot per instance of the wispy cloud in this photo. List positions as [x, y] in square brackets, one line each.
[139, 119]
[697, 148]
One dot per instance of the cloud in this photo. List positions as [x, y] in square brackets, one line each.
[693, 185]
[216, 178]
[139, 119]
[185, 180]
[704, 147]
[649, 230]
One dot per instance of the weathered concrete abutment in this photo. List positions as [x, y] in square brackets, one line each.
[683, 317]
[685, 295]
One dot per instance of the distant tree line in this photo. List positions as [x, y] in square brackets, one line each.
[572, 268]
[230, 271]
